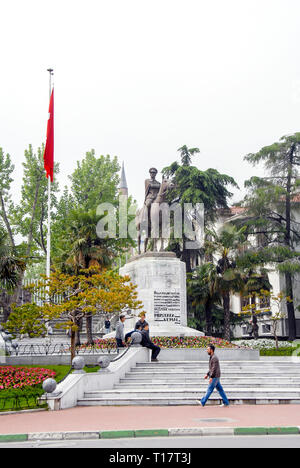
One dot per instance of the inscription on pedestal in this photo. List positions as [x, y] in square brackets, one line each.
[167, 306]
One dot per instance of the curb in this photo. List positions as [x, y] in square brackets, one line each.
[174, 432]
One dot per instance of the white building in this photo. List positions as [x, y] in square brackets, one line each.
[276, 280]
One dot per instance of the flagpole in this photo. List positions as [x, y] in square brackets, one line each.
[50, 70]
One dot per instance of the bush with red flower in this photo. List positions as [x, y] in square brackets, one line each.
[19, 377]
[170, 342]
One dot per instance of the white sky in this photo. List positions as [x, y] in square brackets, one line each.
[138, 79]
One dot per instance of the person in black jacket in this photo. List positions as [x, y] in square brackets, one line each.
[141, 323]
[147, 343]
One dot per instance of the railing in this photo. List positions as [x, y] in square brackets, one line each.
[18, 401]
[46, 349]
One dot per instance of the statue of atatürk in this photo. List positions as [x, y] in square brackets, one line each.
[154, 195]
[152, 187]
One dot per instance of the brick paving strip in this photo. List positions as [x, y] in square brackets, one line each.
[118, 422]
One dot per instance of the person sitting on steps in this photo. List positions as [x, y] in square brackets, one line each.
[147, 343]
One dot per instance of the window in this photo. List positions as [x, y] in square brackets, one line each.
[266, 328]
[264, 302]
[245, 301]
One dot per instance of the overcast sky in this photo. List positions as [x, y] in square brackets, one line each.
[138, 79]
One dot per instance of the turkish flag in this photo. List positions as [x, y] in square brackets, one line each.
[49, 148]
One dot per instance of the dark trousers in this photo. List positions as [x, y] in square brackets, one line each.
[128, 335]
[119, 343]
[155, 350]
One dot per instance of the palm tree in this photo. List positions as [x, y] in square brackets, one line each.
[255, 281]
[226, 246]
[82, 249]
[11, 269]
[203, 289]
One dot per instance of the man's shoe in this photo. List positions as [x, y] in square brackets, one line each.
[199, 403]
[222, 405]
[154, 360]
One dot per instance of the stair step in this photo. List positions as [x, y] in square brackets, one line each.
[182, 383]
[200, 385]
[186, 375]
[193, 393]
[166, 401]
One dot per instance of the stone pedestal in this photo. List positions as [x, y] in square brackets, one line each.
[161, 284]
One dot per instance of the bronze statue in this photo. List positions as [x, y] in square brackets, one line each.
[155, 194]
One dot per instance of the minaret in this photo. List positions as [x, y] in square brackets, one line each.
[123, 188]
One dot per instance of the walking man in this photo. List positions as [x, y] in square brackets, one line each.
[214, 375]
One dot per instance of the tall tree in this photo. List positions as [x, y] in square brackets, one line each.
[202, 288]
[12, 267]
[6, 170]
[91, 291]
[30, 215]
[186, 154]
[95, 180]
[191, 185]
[226, 246]
[27, 218]
[271, 203]
[81, 248]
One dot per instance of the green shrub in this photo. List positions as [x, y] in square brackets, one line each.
[277, 352]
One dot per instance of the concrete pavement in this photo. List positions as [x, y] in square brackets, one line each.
[97, 419]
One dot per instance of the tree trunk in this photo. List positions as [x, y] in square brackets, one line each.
[6, 222]
[254, 317]
[208, 317]
[89, 328]
[186, 256]
[290, 307]
[288, 243]
[226, 307]
[73, 344]
[77, 333]
[5, 304]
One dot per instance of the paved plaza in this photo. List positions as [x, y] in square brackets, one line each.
[134, 418]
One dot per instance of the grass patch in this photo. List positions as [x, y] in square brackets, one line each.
[27, 397]
[277, 352]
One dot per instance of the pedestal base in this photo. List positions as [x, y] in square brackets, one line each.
[161, 284]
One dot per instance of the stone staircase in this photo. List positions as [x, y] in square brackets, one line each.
[182, 383]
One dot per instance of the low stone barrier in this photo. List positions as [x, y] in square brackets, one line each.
[53, 359]
[200, 354]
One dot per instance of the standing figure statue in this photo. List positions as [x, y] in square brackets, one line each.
[155, 194]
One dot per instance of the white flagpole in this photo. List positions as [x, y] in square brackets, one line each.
[50, 70]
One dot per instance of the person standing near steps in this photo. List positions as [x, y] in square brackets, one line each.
[120, 336]
[214, 375]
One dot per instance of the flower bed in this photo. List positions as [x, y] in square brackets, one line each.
[20, 377]
[262, 344]
[172, 342]
[191, 342]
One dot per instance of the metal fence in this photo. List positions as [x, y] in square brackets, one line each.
[26, 400]
[20, 402]
[46, 349]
